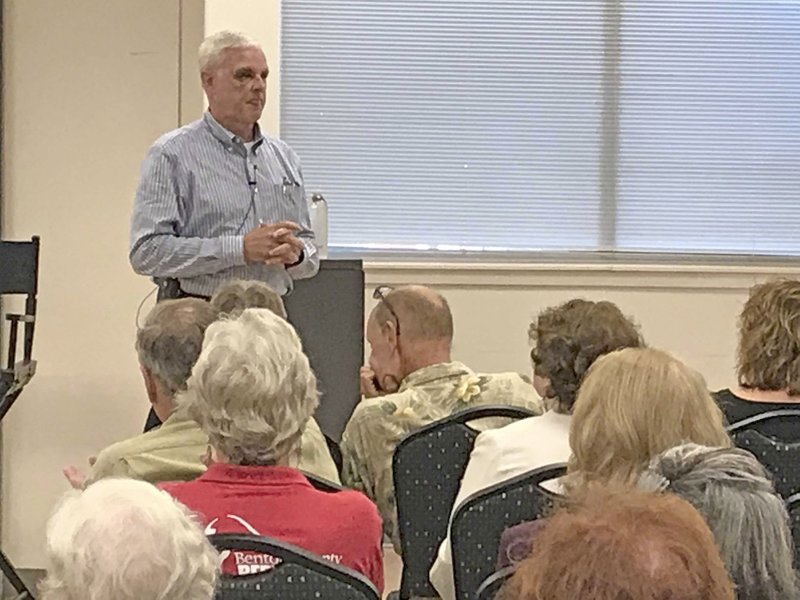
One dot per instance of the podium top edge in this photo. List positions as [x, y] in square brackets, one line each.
[341, 264]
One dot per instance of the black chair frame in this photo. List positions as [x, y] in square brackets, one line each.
[19, 275]
[779, 456]
[793, 508]
[418, 560]
[761, 418]
[494, 583]
[467, 584]
[291, 554]
[322, 484]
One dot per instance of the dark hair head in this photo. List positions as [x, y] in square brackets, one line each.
[569, 337]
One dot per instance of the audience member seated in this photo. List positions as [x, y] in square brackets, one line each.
[412, 381]
[125, 540]
[633, 404]
[168, 345]
[768, 363]
[252, 391]
[734, 493]
[567, 339]
[627, 545]
[231, 299]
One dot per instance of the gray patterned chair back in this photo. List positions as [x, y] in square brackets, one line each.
[427, 467]
[780, 457]
[492, 585]
[793, 506]
[300, 575]
[480, 521]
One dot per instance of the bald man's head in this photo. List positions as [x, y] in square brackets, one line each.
[411, 328]
[424, 314]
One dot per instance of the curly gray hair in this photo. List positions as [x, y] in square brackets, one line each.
[252, 390]
[735, 494]
[124, 539]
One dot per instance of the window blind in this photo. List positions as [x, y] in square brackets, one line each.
[465, 125]
[710, 126]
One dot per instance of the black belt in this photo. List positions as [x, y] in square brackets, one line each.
[170, 289]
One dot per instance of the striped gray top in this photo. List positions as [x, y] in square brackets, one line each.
[200, 191]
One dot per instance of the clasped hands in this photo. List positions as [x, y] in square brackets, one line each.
[273, 244]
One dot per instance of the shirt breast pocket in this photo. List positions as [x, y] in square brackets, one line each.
[285, 202]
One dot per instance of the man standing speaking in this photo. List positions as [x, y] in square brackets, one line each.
[219, 200]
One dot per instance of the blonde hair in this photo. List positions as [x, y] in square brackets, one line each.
[634, 404]
[769, 338]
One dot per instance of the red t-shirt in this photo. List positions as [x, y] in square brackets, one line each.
[279, 502]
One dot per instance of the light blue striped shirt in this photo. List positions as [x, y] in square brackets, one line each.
[201, 190]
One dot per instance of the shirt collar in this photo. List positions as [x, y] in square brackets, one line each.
[229, 139]
[257, 475]
[435, 373]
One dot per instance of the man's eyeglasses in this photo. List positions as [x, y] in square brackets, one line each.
[380, 293]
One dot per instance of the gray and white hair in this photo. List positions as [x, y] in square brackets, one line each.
[252, 390]
[171, 339]
[735, 494]
[123, 539]
[215, 45]
[235, 296]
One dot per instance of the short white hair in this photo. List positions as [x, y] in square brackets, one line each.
[252, 390]
[123, 539]
[213, 46]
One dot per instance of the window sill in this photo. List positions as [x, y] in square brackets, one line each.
[594, 275]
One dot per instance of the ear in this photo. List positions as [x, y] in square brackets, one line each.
[150, 384]
[206, 79]
[389, 331]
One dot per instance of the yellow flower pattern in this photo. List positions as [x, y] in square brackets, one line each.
[425, 396]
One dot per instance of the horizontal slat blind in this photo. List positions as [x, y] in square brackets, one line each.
[447, 124]
[710, 126]
[476, 125]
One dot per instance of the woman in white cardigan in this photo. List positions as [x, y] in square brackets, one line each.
[566, 340]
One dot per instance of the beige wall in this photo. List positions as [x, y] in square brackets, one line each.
[89, 85]
[688, 310]
[261, 20]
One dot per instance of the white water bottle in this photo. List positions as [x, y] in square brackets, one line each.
[318, 212]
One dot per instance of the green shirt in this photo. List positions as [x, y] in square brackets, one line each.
[315, 458]
[425, 396]
[173, 452]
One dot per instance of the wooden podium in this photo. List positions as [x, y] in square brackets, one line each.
[328, 313]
